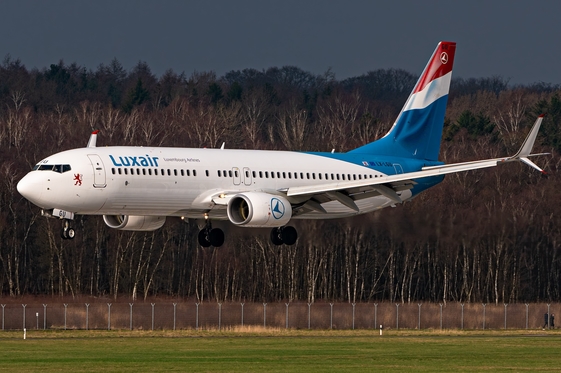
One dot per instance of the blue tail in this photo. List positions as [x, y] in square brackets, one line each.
[417, 131]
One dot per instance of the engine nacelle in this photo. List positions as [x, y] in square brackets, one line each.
[256, 209]
[134, 223]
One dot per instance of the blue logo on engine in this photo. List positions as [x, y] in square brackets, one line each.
[277, 208]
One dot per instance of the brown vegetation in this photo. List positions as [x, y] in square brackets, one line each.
[485, 236]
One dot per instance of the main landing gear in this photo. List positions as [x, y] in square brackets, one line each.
[67, 233]
[284, 235]
[209, 236]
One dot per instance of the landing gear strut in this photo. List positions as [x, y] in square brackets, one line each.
[209, 236]
[67, 233]
[284, 235]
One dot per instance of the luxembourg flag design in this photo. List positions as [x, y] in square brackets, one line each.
[417, 131]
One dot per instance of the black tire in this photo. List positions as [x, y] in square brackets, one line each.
[216, 237]
[289, 235]
[276, 237]
[64, 234]
[70, 233]
[203, 238]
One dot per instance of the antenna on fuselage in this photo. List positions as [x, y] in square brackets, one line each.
[93, 139]
[222, 147]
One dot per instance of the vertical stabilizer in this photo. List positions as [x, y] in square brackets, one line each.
[93, 139]
[417, 131]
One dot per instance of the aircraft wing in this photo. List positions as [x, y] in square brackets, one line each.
[345, 191]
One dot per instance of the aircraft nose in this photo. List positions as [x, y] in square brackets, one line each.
[24, 186]
[28, 188]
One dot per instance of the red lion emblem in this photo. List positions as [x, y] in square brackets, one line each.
[78, 179]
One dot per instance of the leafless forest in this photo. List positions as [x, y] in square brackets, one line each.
[487, 236]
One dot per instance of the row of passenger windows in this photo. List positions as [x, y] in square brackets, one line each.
[149, 171]
[235, 173]
[296, 175]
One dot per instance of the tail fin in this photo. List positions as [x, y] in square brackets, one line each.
[417, 131]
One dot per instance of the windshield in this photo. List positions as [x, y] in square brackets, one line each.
[60, 168]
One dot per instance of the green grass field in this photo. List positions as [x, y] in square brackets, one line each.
[279, 350]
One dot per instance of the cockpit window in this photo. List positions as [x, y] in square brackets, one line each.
[60, 168]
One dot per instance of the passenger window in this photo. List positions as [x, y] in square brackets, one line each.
[219, 173]
[188, 172]
[182, 173]
[206, 173]
[175, 172]
[266, 174]
[284, 175]
[150, 171]
[290, 175]
[113, 171]
[194, 172]
[272, 175]
[119, 171]
[261, 174]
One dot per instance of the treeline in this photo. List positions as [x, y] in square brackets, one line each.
[483, 236]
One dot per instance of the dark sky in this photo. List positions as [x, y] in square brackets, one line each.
[518, 40]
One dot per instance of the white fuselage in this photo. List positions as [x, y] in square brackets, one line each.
[185, 182]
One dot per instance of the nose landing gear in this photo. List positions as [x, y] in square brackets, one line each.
[67, 233]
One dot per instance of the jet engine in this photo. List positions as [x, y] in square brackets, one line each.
[134, 223]
[257, 209]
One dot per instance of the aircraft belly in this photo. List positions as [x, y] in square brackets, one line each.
[156, 200]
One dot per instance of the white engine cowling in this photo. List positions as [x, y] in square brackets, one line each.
[255, 209]
[134, 223]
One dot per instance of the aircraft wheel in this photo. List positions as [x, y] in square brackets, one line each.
[203, 238]
[216, 237]
[276, 237]
[64, 234]
[289, 235]
[70, 233]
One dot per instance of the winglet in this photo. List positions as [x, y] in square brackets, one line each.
[526, 148]
[528, 144]
[93, 139]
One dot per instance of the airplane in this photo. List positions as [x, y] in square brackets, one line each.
[137, 188]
